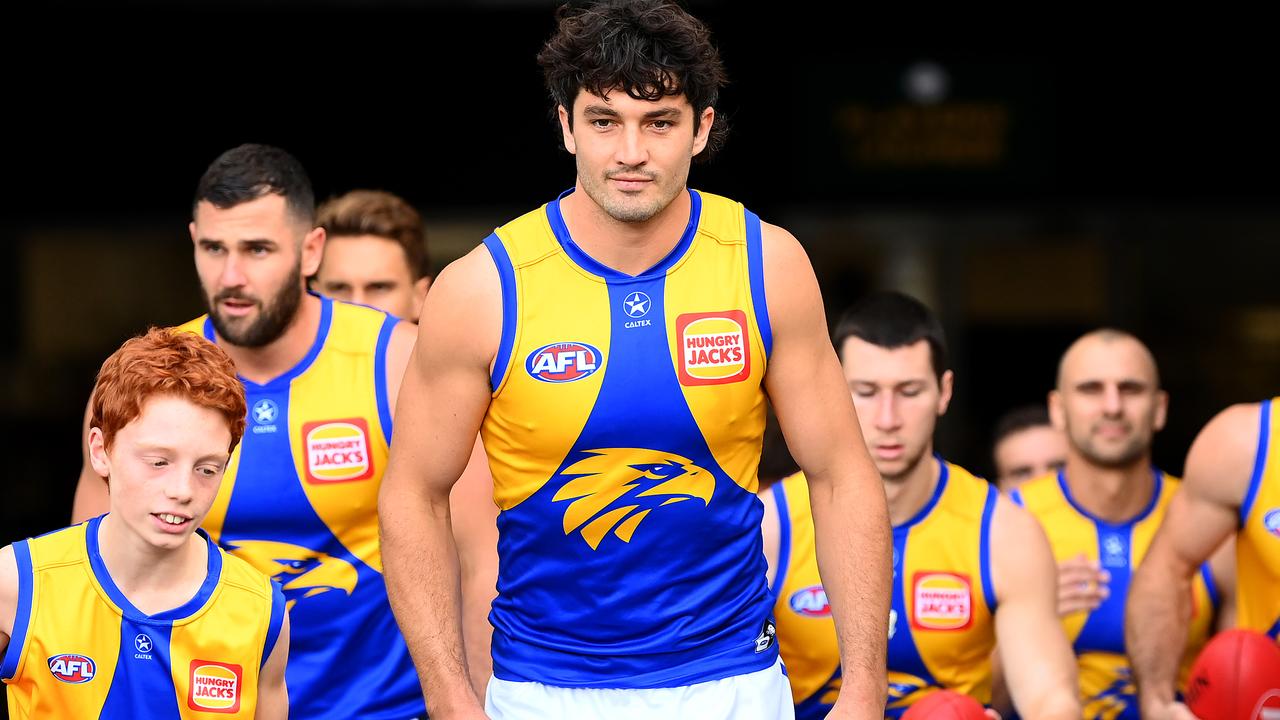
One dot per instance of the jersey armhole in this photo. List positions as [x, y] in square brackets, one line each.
[984, 548]
[381, 390]
[12, 663]
[1016, 496]
[507, 278]
[784, 538]
[1206, 573]
[755, 270]
[1259, 463]
[275, 624]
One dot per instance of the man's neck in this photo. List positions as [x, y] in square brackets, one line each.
[263, 364]
[628, 247]
[1114, 494]
[153, 579]
[908, 494]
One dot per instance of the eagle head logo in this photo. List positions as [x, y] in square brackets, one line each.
[301, 572]
[905, 689]
[613, 489]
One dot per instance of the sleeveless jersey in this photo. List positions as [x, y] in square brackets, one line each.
[941, 630]
[299, 502]
[624, 437]
[1107, 691]
[80, 649]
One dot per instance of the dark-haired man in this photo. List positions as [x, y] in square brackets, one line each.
[970, 568]
[614, 348]
[299, 498]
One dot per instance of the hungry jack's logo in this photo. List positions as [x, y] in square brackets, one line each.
[713, 347]
[215, 687]
[337, 450]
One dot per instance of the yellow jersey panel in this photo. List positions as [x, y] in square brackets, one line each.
[941, 629]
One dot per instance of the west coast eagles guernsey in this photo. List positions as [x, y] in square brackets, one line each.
[624, 437]
[1107, 691]
[80, 649]
[1258, 543]
[941, 630]
[299, 502]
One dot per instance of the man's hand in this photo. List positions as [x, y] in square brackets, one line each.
[1082, 585]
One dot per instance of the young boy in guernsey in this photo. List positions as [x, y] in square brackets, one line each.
[136, 613]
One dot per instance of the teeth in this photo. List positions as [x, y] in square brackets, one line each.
[172, 519]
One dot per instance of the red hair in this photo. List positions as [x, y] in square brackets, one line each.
[166, 362]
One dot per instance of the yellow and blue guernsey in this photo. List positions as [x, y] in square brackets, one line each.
[624, 437]
[1258, 544]
[299, 502]
[941, 630]
[1107, 691]
[80, 649]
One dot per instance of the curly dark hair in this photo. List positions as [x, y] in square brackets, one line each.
[647, 48]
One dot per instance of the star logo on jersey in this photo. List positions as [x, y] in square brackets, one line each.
[301, 572]
[1114, 553]
[614, 489]
[265, 411]
[1271, 521]
[142, 643]
[637, 304]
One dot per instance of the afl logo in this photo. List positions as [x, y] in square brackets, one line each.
[1271, 521]
[811, 602]
[563, 362]
[72, 668]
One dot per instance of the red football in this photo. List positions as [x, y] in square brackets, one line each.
[945, 705]
[1236, 677]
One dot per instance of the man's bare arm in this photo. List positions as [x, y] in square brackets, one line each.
[475, 530]
[442, 403]
[273, 695]
[850, 514]
[473, 516]
[1038, 665]
[1200, 517]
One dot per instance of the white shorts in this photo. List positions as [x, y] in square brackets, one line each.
[761, 695]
